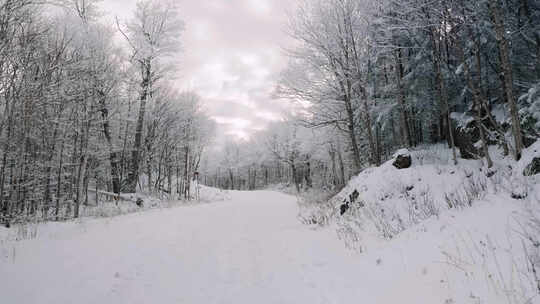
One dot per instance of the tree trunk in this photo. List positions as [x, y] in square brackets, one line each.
[6, 201]
[307, 175]
[295, 177]
[178, 173]
[133, 176]
[231, 179]
[81, 172]
[113, 156]
[476, 105]
[341, 166]
[59, 181]
[373, 151]
[441, 91]
[186, 173]
[500, 34]
[332, 154]
[485, 103]
[352, 135]
[407, 142]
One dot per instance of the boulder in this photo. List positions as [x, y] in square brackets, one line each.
[533, 167]
[402, 159]
[466, 135]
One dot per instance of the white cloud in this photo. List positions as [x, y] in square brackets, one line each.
[260, 6]
[232, 57]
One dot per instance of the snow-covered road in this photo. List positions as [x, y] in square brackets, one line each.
[251, 249]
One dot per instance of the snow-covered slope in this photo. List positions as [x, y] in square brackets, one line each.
[106, 206]
[384, 201]
[482, 225]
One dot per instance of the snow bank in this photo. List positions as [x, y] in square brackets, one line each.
[527, 156]
[391, 200]
[209, 194]
[465, 218]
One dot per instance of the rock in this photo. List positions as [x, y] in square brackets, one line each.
[518, 196]
[464, 140]
[402, 159]
[139, 202]
[353, 196]
[465, 135]
[533, 168]
[343, 208]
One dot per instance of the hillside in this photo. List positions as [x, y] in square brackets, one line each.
[472, 230]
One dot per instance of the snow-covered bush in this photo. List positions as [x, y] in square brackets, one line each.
[473, 188]
[315, 207]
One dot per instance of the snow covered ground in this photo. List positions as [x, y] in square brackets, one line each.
[253, 249]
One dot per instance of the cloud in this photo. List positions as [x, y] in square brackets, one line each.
[232, 57]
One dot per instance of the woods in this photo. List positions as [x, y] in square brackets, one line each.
[87, 104]
[366, 78]
[270, 151]
[79, 111]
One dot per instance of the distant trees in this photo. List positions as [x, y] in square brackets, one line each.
[285, 154]
[67, 108]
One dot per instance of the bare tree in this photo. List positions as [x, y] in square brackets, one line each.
[153, 35]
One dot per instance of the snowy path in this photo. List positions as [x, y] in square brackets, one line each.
[251, 249]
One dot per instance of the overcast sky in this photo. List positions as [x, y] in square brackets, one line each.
[232, 57]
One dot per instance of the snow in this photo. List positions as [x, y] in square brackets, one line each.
[249, 249]
[462, 119]
[469, 207]
[401, 152]
[209, 194]
[108, 207]
[527, 156]
[252, 247]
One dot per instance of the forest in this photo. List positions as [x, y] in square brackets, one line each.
[88, 106]
[270, 151]
[367, 78]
